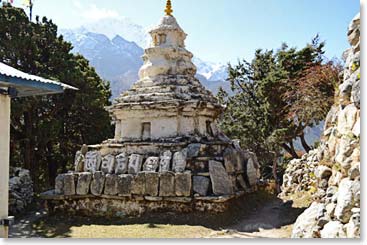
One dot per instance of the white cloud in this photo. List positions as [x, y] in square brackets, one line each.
[93, 13]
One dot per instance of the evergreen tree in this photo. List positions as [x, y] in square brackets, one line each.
[276, 96]
[46, 131]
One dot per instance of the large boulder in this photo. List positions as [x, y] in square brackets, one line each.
[348, 195]
[83, 186]
[221, 182]
[69, 184]
[183, 184]
[167, 184]
[111, 185]
[124, 184]
[97, 184]
[333, 229]
[306, 224]
[152, 183]
[138, 185]
[201, 185]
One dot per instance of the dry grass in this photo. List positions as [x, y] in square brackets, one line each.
[139, 231]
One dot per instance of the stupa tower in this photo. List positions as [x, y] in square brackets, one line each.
[168, 101]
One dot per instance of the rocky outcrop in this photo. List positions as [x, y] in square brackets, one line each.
[20, 190]
[334, 168]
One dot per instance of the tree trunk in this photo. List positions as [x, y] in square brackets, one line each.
[51, 165]
[275, 174]
[290, 150]
[28, 153]
[304, 143]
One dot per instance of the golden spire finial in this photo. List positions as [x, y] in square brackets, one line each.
[168, 9]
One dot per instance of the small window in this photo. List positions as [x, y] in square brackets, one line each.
[146, 131]
[162, 38]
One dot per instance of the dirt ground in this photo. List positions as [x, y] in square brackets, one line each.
[258, 215]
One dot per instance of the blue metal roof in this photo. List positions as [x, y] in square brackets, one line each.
[29, 85]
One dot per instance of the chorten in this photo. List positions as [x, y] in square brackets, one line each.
[168, 101]
[167, 153]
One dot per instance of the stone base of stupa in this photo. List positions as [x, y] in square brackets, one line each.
[202, 175]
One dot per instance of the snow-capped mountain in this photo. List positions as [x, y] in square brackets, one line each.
[114, 48]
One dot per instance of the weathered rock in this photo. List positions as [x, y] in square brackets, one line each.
[347, 197]
[125, 182]
[323, 172]
[353, 227]
[193, 150]
[138, 186]
[354, 171]
[151, 164]
[356, 94]
[93, 160]
[252, 172]
[79, 162]
[111, 185]
[306, 224]
[135, 162]
[167, 184]
[122, 163]
[84, 181]
[179, 161]
[152, 184]
[183, 184]
[108, 164]
[230, 159]
[333, 229]
[221, 183]
[201, 185]
[69, 184]
[59, 184]
[165, 162]
[97, 184]
[346, 119]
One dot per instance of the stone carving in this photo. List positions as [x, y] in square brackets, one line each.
[167, 184]
[98, 181]
[110, 187]
[125, 182]
[183, 184]
[151, 164]
[165, 162]
[122, 163]
[179, 161]
[151, 184]
[93, 160]
[138, 186]
[59, 184]
[79, 162]
[201, 185]
[135, 162]
[221, 183]
[84, 180]
[108, 164]
[69, 184]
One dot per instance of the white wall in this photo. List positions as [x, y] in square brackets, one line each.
[4, 158]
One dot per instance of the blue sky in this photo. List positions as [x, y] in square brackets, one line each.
[223, 30]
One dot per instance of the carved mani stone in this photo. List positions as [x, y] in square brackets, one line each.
[135, 162]
[167, 184]
[201, 185]
[138, 185]
[125, 182]
[151, 164]
[122, 162]
[108, 164]
[83, 185]
[151, 183]
[165, 162]
[183, 184]
[59, 184]
[69, 184]
[98, 181]
[179, 161]
[110, 187]
[193, 150]
[221, 182]
[93, 161]
[79, 162]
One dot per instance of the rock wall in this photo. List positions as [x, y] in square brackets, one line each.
[20, 190]
[149, 177]
[334, 168]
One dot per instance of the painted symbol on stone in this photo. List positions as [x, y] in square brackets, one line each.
[122, 162]
[93, 161]
[108, 164]
[151, 164]
[165, 162]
